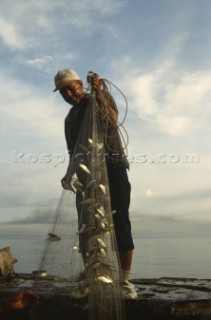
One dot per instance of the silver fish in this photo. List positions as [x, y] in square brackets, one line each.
[84, 168]
[102, 225]
[101, 242]
[92, 239]
[90, 142]
[96, 145]
[93, 206]
[53, 237]
[93, 253]
[96, 244]
[103, 188]
[104, 222]
[90, 183]
[78, 185]
[105, 229]
[76, 248]
[106, 232]
[97, 216]
[99, 146]
[103, 252]
[105, 279]
[101, 212]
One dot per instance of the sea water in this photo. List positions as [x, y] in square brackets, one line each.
[154, 255]
[172, 256]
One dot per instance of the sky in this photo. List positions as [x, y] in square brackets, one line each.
[158, 53]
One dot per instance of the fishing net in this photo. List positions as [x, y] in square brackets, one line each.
[80, 252]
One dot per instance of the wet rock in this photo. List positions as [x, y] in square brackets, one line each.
[158, 299]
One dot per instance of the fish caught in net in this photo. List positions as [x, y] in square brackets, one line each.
[80, 253]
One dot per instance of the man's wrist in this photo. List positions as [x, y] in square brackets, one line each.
[98, 91]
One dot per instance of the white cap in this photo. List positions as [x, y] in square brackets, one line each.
[63, 77]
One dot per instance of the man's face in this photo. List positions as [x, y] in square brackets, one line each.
[73, 92]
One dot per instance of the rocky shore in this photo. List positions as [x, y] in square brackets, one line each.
[158, 299]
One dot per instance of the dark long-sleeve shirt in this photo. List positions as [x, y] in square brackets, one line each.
[112, 142]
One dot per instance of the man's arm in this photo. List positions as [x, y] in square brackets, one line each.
[66, 181]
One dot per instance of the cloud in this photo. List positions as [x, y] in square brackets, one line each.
[10, 35]
[51, 63]
[30, 113]
[30, 24]
[193, 195]
[165, 91]
[170, 201]
[39, 63]
[149, 193]
[167, 189]
[27, 187]
[151, 92]
[37, 217]
[172, 99]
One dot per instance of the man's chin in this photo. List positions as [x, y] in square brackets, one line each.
[73, 101]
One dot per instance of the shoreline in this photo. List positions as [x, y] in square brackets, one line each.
[163, 298]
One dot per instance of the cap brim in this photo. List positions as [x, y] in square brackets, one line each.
[62, 84]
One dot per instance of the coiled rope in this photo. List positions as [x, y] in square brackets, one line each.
[105, 116]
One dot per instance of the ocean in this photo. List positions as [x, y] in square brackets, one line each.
[155, 255]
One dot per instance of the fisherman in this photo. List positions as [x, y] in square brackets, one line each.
[70, 86]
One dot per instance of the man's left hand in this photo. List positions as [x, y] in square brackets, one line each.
[95, 83]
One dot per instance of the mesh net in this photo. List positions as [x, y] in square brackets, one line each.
[80, 251]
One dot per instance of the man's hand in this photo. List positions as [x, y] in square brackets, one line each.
[66, 183]
[21, 300]
[95, 83]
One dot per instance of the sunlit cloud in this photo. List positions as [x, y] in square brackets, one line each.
[9, 34]
[149, 193]
[29, 112]
[172, 99]
[39, 63]
[165, 92]
[19, 32]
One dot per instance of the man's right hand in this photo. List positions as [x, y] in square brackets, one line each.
[66, 183]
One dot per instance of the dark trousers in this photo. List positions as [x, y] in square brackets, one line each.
[120, 189]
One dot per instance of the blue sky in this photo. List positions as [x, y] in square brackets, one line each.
[157, 52]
